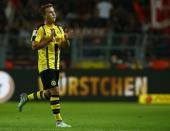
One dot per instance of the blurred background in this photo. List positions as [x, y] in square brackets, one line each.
[121, 40]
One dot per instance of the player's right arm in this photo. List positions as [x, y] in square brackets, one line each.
[40, 45]
[38, 41]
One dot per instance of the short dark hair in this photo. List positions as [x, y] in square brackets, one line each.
[43, 7]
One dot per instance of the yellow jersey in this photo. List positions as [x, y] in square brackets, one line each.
[49, 56]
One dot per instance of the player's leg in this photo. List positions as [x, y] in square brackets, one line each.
[53, 88]
[55, 103]
[40, 95]
[55, 107]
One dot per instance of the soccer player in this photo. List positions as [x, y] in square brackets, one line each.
[48, 39]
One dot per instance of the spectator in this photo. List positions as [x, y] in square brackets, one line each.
[104, 8]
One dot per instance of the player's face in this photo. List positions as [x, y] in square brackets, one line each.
[50, 14]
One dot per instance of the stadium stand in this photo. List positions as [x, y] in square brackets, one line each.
[122, 32]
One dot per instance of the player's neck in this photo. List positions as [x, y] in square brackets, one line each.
[48, 23]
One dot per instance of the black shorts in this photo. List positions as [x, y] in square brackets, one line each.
[49, 78]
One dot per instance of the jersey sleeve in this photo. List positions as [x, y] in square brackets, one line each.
[37, 34]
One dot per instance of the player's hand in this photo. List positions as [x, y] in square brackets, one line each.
[68, 33]
[53, 34]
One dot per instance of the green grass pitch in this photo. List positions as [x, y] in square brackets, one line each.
[86, 116]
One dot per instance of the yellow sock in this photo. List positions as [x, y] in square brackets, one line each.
[37, 96]
[55, 107]
[30, 97]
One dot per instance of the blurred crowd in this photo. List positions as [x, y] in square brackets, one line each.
[19, 17]
[121, 16]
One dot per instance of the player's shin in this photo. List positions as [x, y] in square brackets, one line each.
[55, 107]
[40, 95]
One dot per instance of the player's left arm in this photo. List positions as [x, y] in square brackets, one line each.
[66, 42]
[66, 39]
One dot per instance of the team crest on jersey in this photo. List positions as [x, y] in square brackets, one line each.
[53, 83]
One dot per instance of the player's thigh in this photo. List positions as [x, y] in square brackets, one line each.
[49, 78]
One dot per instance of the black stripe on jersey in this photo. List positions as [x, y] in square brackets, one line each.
[47, 57]
[59, 29]
[56, 55]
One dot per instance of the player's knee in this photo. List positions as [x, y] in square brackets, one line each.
[54, 91]
[47, 93]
